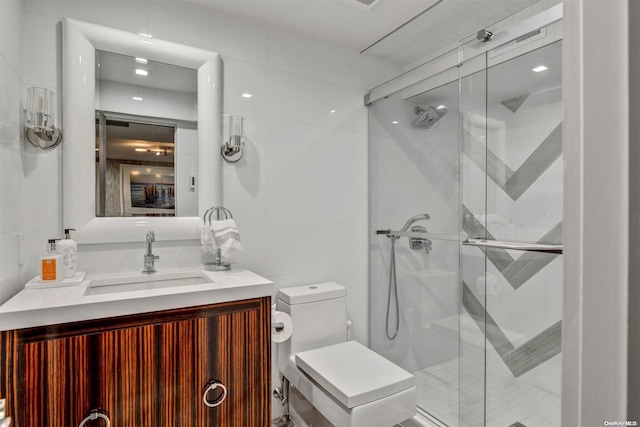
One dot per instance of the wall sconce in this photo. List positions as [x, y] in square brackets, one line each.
[41, 131]
[233, 147]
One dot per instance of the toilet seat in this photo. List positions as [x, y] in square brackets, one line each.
[353, 374]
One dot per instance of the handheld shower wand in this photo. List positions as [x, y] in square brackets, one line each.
[393, 281]
[413, 219]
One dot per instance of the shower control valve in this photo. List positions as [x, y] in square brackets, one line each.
[417, 243]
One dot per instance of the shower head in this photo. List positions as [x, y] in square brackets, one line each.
[413, 219]
[428, 117]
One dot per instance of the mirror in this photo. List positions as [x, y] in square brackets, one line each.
[146, 137]
[85, 97]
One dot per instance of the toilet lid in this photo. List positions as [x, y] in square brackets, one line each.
[353, 374]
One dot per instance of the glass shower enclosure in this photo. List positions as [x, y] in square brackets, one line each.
[470, 299]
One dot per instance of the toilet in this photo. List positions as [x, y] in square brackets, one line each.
[349, 384]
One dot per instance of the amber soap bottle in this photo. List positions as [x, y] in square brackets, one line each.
[51, 265]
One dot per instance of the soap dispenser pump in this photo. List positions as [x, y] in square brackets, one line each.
[51, 264]
[68, 249]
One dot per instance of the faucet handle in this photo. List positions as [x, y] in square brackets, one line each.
[151, 236]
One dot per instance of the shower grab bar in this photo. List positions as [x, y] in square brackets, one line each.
[482, 243]
[515, 246]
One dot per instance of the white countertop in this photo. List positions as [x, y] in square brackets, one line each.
[39, 307]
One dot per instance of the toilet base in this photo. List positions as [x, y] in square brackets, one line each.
[383, 412]
[303, 414]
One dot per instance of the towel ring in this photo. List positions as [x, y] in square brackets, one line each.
[94, 415]
[214, 384]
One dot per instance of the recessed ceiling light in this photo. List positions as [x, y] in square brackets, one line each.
[137, 98]
[441, 107]
[141, 60]
[395, 122]
[141, 72]
[332, 111]
[246, 95]
[539, 68]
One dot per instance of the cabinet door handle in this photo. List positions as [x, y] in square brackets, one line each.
[94, 415]
[218, 400]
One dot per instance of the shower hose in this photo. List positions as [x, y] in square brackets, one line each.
[393, 288]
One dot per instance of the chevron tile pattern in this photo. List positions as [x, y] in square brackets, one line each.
[518, 271]
[514, 183]
[519, 360]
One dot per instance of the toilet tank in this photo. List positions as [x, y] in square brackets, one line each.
[319, 315]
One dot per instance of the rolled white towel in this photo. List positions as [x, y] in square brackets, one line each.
[226, 237]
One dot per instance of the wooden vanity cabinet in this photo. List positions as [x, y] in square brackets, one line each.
[148, 369]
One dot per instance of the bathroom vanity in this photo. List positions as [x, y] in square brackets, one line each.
[185, 353]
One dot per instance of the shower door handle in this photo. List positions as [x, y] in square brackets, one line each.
[514, 246]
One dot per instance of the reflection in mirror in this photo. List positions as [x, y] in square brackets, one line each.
[146, 137]
[134, 152]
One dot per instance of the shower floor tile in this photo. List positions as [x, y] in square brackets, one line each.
[509, 399]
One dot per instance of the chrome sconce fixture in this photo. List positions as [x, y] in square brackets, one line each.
[40, 130]
[233, 147]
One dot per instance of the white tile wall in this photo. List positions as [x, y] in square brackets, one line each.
[413, 171]
[12, 160]
[299, 194]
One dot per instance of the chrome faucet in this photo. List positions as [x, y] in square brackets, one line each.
[149, 257]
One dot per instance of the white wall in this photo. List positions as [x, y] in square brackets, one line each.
[16, 163]
[414, 171]
[300, 193]
[596, 326]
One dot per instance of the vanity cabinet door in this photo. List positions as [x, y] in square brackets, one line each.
[157, 375]
[55, 382]
[147, 370]
[154, 375]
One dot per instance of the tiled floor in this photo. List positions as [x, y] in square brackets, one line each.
[509, 400]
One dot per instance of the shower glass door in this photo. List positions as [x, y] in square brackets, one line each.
[478, 147]
[511, 191]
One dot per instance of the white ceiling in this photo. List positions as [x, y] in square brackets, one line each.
[350, 24]
[441, 28]
[347, 23]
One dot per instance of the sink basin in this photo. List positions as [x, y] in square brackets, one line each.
[140, 282]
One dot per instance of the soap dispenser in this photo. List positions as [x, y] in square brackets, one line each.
[51, 264]
[68, 249]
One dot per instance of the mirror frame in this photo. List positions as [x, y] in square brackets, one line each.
[80, 40]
